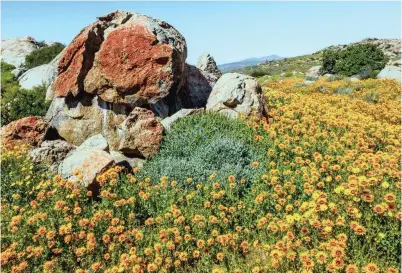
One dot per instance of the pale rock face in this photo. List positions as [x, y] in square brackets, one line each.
[391, 72]
[43, 74]
[96, 142]
[51, 153]
[89, 162]
[169, 121]
[207, 64]
[14, 51]
[236, 94]
[314, 71]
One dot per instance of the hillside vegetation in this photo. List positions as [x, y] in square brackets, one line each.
[313, 187]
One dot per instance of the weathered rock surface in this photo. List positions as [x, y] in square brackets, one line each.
[169, 121]
[141, 133]
[127, 161]
[236, 94]
[391, 72]
[314, 71]
[51, 153]
[14, 51]
[30, 130]
[17, 72]
[43, 74]
[125, 58]
[207, 64]
[97, 142]
[77, 118]
[88, 162]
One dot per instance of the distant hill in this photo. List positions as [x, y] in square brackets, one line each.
[247, 62]
[301, 64]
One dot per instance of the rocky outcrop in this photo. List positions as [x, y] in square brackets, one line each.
[169, 121]
[122, 61]
[29, 130]
[141, 133]
[14, 51]
[390, 72]
[236, 94]
[51, 153]
[43, 74]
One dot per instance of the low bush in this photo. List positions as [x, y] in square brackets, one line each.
[200, 145]
[354, 60]
[17, 103]
[43, 55]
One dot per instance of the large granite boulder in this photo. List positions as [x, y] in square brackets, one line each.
[124, 58]
[14, 51]
[390, 72]
[43, 74]
[141, 133]
[236, 94]
[51, 153]
[30, 130]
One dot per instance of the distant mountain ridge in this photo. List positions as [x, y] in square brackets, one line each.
[247, 62]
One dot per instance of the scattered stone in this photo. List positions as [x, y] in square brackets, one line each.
[169, 121]
[207, 64]
[87, 162]
[127, 161]
[235, 94]
[141, 133]
[14, 51]
[30, 130]
[354, 79]
[51, 153]
[314, 71]
[96, 142]
[391, 72]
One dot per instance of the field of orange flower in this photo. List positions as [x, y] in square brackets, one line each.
[328, 201]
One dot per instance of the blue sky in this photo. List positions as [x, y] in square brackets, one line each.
[230, 31]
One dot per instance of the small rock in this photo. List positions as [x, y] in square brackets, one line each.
[169, 121]
[96, 142]
[126, 161]
[51, 153]
[207, 64]
[141, 133]
[89, 162]
[235, 94]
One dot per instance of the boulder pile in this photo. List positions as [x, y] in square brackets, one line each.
[119, 84]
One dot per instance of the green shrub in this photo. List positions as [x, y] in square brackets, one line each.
[312, 78]
[43, 55]
[17, 103]
[200, 145]
[288, 74]
[333, 78]
[344, 90]
[373, 97]
[8, 82]
[353, 60]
